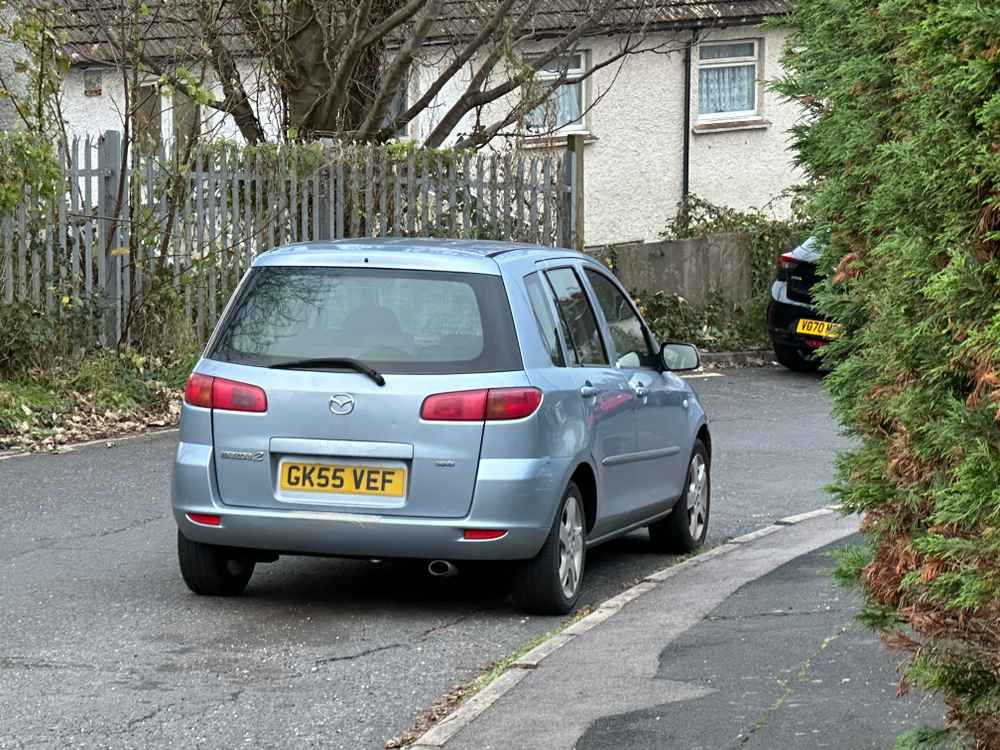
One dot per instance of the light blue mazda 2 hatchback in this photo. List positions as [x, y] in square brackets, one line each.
[441, 400]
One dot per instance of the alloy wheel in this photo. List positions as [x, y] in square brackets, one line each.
[697, 496]
[571, 547]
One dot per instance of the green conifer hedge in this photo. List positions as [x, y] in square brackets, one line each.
[902, 142]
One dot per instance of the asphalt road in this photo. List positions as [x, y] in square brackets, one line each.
[101, 645]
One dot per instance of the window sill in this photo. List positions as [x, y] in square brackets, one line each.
[728, 126]
[554, 141]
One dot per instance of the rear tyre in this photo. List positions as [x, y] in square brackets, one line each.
[212, 570]
[684, 530]
[549, 584]
[793, 359]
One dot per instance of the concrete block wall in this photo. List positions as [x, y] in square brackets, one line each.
[699, 269]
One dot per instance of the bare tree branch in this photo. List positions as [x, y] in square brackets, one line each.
[236, 101]
[397, 70]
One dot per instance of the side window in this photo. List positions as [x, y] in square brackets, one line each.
[578, 318]
[627, 333]
[538, 295]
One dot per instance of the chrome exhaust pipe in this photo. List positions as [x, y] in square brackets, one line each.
[441, 569]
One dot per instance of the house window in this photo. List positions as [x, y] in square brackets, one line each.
[186, 121]
[92, 79]
[727, 80]
[148, 128]
[563, 110]
[398, 105]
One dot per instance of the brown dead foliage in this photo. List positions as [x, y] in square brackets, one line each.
[84, 422]
[933, 568]
[985, 381]
[985, 248]
[883, 576]
[846, 269]
[903, 466]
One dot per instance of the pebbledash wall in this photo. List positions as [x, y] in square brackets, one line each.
[635, 134]
[635, 139]
[88, 114]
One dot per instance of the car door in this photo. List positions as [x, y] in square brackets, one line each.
[659, 464]
[609, 402]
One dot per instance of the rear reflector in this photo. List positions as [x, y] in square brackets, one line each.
[481, 405]
[219, 393]
[483, 534]
[228, 394]
[198, 390]
[512, 403]
[205, 519]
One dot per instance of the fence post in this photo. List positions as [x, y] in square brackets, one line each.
[571, 210]
[109, 155]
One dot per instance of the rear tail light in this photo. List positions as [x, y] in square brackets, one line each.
[462, 406]
[512, 403]
[198, 391]
[494, 404]
[219, 393]
[787, 262]
[205, 519]
[483, 535]
[228, 394]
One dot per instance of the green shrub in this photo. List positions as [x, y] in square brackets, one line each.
[724, 324]
[770, 236]
[902, 145]
[717, 326]
[32, 337]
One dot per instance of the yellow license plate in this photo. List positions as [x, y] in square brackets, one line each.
[342, 479]
[818, 328]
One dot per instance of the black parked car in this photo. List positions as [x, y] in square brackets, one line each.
[796, 327]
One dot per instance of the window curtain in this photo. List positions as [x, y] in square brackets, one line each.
[563, 107]
[727, 89]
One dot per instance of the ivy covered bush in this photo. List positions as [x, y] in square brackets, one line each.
[902, 143]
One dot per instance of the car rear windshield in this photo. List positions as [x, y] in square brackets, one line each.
[397, 321]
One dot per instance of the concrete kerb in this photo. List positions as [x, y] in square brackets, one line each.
[438, 735]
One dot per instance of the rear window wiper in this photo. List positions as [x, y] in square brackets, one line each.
[334, 362]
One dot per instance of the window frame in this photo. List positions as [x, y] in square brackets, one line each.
[575, 77]
[651, 341]
[550, 302]
[564, 327]
[501, 350]
[89, 75]
[732, 62]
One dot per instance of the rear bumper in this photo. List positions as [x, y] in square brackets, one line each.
[782, 318]
[519, 495]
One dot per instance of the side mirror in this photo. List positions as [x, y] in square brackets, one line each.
[678, 357]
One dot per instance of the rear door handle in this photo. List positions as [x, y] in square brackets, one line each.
[588, 391]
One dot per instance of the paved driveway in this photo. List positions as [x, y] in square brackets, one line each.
[101, 645]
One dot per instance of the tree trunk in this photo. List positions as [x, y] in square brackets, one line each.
[314, 27]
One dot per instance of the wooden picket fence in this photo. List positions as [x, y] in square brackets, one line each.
[114, 233]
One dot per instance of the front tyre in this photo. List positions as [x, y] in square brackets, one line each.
[684, 530]
[212, 570]
[549, 584]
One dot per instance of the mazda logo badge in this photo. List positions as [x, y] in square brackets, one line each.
[341, 403]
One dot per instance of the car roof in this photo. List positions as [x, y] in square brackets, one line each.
[474, 256]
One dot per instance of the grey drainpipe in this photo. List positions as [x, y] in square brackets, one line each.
[686, 167]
